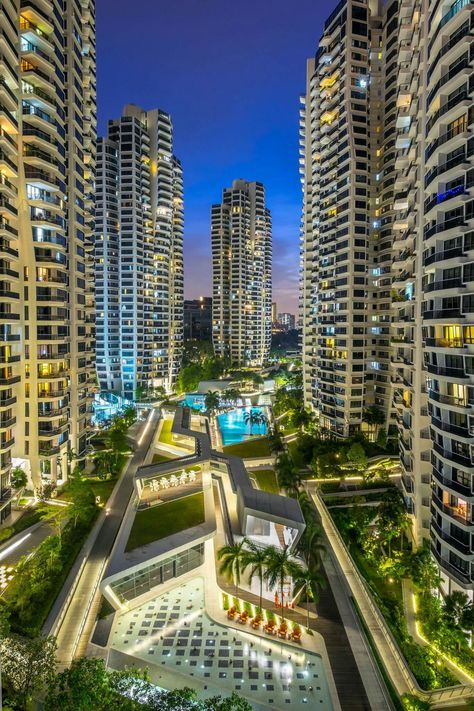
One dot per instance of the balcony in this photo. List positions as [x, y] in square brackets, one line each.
[443, 226]
[442, 313]
[443, 256]
[457, 513]
[452, 456]
[461, 576]
[464, 491]
[460, 546]
[452, 429]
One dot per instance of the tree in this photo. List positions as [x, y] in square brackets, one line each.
[357, 457]
[311, 582]
[255, 558]
[105, 462]
[212, 402]
[251, 418]
[288, 477]
[374, 417]
[424, 572]
[18, 478]
[232, 395]
[28, 666]
[280, 566]
[275, 442]
[129, 415]
[392, 517]
[231, 557]
[455, 607]
[311, 546]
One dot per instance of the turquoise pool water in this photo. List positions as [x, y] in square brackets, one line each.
[233, 427]
[194, 400]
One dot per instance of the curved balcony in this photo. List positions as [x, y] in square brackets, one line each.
[456, 487]
[462, 577]
[452, 456]
[52, 394]
[458, 545]
[454, 513]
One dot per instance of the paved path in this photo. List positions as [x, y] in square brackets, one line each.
[73, 615]
[329, 623]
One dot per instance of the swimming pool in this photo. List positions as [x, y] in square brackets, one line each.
[235, 429]
[193, 400]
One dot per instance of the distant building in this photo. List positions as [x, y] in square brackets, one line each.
[138, 254]
[274, 311]
[198, 319]
[286, 321]
[241, 235]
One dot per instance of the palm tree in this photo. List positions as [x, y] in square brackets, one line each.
[280, 566]
[251, 418]
[312, 582]
[212, 402]
[232, 395]
[310, 545]
[232, 558]
[374, 417]
[275, 442]
[255, 557]
[287, 476]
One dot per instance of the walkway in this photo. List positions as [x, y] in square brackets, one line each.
[74, 612]
[328, 623]
[350, 584]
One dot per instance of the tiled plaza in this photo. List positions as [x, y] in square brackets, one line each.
[174, 632]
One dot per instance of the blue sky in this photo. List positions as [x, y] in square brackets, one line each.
[230, 73]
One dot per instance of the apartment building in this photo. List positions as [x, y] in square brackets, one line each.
[198, 319]
[47, 137]
[241, 237]
[420, 266]
[346, 349]
[138, 254]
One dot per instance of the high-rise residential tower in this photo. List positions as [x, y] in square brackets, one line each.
[241, 237]
[419, 268]
[138, 254]
[47, 137]
[345, 340]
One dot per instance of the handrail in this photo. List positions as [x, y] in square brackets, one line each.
[435, 696]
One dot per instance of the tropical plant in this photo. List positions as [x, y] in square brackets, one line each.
[232, 395]
[232, 557]
[392, 517]
[275, 442]
[255, 558]
[212, 402]
[28, 666]
[310, 544]
[424, 571]
[311, 582]
[18, 478]
[288, 476]
[281, 565]
[374, 417]
[251, 418]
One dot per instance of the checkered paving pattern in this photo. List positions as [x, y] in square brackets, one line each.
[174, 631]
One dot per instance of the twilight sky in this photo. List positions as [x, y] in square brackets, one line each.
[230, 73]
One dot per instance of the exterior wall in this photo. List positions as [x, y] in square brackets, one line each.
[345, 349]
[47, 169]
[241, 262]
[198, 319]
[149, 258]
[447, 221]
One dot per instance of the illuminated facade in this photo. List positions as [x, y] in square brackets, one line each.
[345, 252]
[139, 254]
[47, 137]
[420, 266]
[241, 236]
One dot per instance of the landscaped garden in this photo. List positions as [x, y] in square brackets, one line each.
[376, 538]
[158, 458]
[255, 447]
[165, 432]
[266, 480]
[165, 520]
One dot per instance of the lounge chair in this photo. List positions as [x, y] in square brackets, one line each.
[231, 613]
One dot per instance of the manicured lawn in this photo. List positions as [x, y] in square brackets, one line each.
[165, 520]
[266, 480]
[165, 433]
[258, 447]
[102, 488]
[157, 458]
